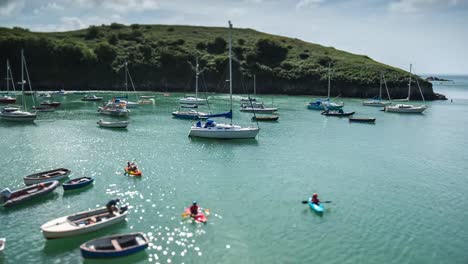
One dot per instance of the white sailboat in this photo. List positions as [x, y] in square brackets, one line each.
[377, 102]
[251, 105]
[251, 99]
[407, 108]
[8, 98]
[210, 129]
[20, 114]
[194, 100]
[409, 89]
[323, 104]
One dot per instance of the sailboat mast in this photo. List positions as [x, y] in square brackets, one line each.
[22, 72]
[196, 79]
[329, 76]
[255, 86]
[230, 64]
[409, 82]
[380, 89]
[7, 83]
[126, 78]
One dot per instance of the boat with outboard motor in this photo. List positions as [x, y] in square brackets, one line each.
[9, 198]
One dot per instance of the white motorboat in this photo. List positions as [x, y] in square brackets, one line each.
[255, 107]
[113, 124]
[82, 223]
[210, 129]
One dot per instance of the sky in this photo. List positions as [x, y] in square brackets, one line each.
[430, 34]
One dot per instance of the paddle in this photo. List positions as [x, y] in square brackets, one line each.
[306, 202]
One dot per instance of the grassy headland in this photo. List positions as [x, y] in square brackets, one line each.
[162, 58]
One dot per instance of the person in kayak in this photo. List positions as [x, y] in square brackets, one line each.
[112, 206]
[315, 199]
[194, 209]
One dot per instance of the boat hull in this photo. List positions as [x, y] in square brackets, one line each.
[362, 120]
[376, 103]
[80, 183]
[200, 217]
[62, 227]
[104, 248]
[2, 244]
[228, 132]
[31, 192]
[316, 208]
[192, 100]
[409, 109]
[7, 101]
[103, 111]
[259, 110]
[18, 118]
[46, 176]
[118, 124]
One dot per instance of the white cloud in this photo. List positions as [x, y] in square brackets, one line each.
[121, 6]
[307, 3]
[414, 6]
[11, 7]
[51, 6]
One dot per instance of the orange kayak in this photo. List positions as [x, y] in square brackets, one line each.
[133, 173]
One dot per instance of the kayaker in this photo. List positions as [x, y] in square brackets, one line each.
[112, 206]
[194, 209]
[315, 199]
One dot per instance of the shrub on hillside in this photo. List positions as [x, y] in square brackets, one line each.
[92, 33]
[303, 56]
[112, 39]
[201, 46]
[218, 46]
[116, 26]
[270, 52]
[105, 53]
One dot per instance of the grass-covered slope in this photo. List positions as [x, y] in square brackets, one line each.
[162, 57]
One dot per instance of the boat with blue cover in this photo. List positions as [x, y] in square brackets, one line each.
[114, 246]
[323, 104]
[77, 183]
[318, 208]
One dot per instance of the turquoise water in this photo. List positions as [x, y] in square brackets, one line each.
[398, 188]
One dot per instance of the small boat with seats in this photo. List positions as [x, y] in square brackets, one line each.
[114, 246]
[113, 124]
[265, 118]
[9, 198]
[362, 119]
[77, 183]
[338, 113]
[46, 176]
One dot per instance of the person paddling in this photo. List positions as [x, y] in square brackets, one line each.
[315, 199]
[194, 209]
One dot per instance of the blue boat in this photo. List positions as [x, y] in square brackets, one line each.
[77, 183]
[317, 208]
[324, 104]
[114, 246]
[192, 114]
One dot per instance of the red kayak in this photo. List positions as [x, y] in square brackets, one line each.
[136, 173]
[200, 217]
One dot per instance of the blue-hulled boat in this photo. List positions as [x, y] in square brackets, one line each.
[77, 183]
[114, 246]
[317, 208]
[324, 104]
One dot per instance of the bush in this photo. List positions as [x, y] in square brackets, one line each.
[289, 47]
[239, 52]
[116, 26]
[178, 42]
[201, 46]
[303, 56]
[135, 26]
[112, 39]
[324, 61]
[170, 29]
[218, 46]
[92, 33]
[105, 53]
[241, 42]
[270, 52]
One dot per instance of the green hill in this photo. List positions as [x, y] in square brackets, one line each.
[162, 58]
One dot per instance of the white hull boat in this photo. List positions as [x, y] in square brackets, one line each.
[192, 100]
[113, 111]
[2, 244]
[17, 116]
[225, 131]
[261, 110]
[376, 103]
[82, 223]
[113, 124]
[408, 109]
[47, 176]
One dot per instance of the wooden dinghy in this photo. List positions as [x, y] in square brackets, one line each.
[77, 183]
[362, 119]
[82, 223]
[114, 246]
[265, 118]
[338, 113]
[113, 124]
[2, 244]
[45, 176]
[19, 196]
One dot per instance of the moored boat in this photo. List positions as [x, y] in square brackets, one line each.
[265, 118]
[188, 105]
[338, 113]
[112, 124]
[82, 223]
[7, 99]
[114, 246]
[43, 108]
[9, 198]
[91, 98]
[404, 108]
[77, 183]
[46, 176]
[115, 107]
[255, 107]
[191, 114]
[17, 115]
[362, 119]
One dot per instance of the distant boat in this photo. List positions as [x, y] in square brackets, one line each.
[113, 124]
[60, 92]
[377, 101]
[191, 114]
[18, 114]
[362, 119]
[114, 107]
[2, 244]
[188, 105]
[225, 131]
[256, 107]
[265, 118]
[46, 176]
[338, 113]
[407, 108]
[92, 98]
[44, 95]
[77, 183]
[9, 198]
[251, 99]
[323, 104]
[191, 99]
[51, 104]
[114, 246]
[8, 98]
[43, 108]
[82, 223]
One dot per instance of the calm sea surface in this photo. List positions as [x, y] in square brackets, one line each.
[398, 188]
